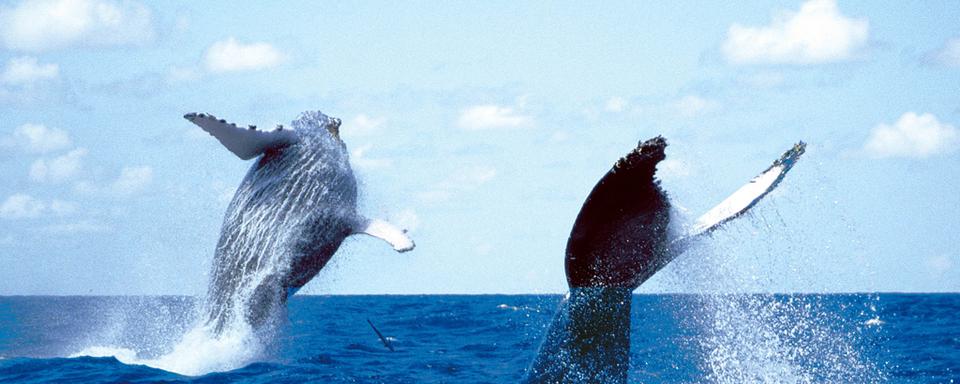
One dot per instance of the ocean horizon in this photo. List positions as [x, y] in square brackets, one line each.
[488, 338]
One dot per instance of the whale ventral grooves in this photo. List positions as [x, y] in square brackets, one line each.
[618, 238]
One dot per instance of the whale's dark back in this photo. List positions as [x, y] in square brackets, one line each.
[287, 218]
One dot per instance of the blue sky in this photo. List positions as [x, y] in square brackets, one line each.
[482, 127]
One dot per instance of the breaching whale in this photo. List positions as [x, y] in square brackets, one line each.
[291, 212]
[621, 238]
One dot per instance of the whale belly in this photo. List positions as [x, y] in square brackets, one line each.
[288, 209]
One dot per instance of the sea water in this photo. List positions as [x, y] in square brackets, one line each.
[834, 338]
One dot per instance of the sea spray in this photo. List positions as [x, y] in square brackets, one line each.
[197, 351]
[767, 338]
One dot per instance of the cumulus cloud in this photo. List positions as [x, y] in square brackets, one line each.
[466, 179]
[482, 117]
[360, 159]
[818, 33]
[949, 54]
[406, 219]
[26, 70]
[939, 265]
[232, 56]
[363, 125]
[21, 205]
[913, 135]
[82, 226]
[177, 75]
[38, 25]
[615, 104]
[58, 169]
[132, 180]
[693, 105]
[37, 138]
[673, 168]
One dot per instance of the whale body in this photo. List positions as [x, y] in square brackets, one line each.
[291, 212]
[620, 239]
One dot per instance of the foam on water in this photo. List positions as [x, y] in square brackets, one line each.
[767, 338]
[198, 352]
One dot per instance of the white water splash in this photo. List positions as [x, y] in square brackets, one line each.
[199, 352]
[764, 338]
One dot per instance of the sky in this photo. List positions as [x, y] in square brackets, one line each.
[481, 127]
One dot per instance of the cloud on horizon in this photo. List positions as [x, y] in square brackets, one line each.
[817, 33]
[916, 136]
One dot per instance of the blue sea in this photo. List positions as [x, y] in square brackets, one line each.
[834, 338]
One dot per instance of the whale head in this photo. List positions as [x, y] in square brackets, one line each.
[314, 125]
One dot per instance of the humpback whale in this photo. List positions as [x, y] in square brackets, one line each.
[620, 239]
[291, 212]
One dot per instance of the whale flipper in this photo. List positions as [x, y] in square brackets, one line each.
[396, 237]
[740, 201]
[246, 143]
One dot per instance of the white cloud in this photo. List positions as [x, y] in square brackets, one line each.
[37, 138]
[482, 117]
[693, 105]
[949, 54]
[62, 208]
[363, 125]
[466, 179]
[939, 265]
[82, 226]
[559, 137]
[223, 191]
[26, 70]
[913, 135]
[21, 205]
[177, 75]
[615, 104]
[763, 79]
[673, 168]
[132, 180]
[359, 158]
[406, 219]
[231, 56]
[58, 169]
[38, 25]
[818, 33]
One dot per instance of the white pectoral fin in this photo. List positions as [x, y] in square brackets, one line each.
[740, 201]
[245, 142]
[396, 237]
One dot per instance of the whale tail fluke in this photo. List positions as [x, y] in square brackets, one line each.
[396, 237]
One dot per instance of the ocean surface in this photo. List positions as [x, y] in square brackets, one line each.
[848, 338]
